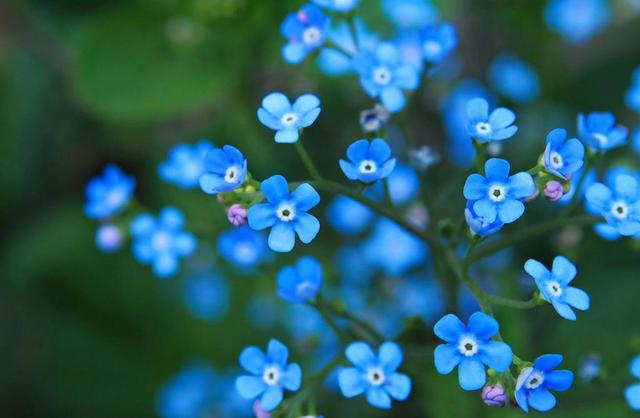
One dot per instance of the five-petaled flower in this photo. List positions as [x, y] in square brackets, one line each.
[599, 131]
[554, 286]
[485, 127]
[225, 170]
[368, 161]
[438, 41]
[375, 375]
[285, 213]
[109, 194]
[563, 157]
[300, 283]
[534, 383]
[270, 374]
[287, 120]
[470, 348]
[498, 195]
[185, 164]
[618, 205]
[306, 30]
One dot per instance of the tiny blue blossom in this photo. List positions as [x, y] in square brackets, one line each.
[632, 393]
[375, 375]
[339, 60]
[300, 283]
[161, 241]
[590, 368]
[485, 127]
[109, 194]
[269, 374]
[348, 216]
[470, 348]
[618, 204]
[438, 41]
[306, 30]
[534, 383]
[189, 394]
[599, 132]
[368, 161]
[514, 79]
[287, 120]
[563, 157]
[577, 20]
[225, 170]
[341, 6]
[206, 295]
[384, 75]
[410, 14]
[632, 96]
[285, 213]
[554, 286]
[409, 44]
[243, 247]
[498, 196]
[109, 238]
[185, 164]
[478, 224]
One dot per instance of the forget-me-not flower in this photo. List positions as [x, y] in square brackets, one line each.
[348, 216]
[470, 348]
[632, 393]
[368, 161]
[243, 247]
[554, 286]
[514, 79]
[438, 41]
[300, 283]
[563, 157]
[161, 241]
[618, 203]
[599, 131]
[534, 383]
[285, 213]
[498, 195]
[375, 375]
[108, 195]
[306, 30]
[577, 20]
[479, 224]
[485, 127]
[225, 170]
[287, 120]
[206, 295]
[269, 374]
[341, 6]
[185, 164]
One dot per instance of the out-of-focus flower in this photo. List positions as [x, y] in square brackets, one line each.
[438, 41]
[424, 157]
[372, 120]
[185, 164]
[108, 195]
[410, 14]
[599, 132]
[514, 79]
[243, 247]
[577, 20]
[306, 30]
[300, 283]
[109, 238]
[206, 295]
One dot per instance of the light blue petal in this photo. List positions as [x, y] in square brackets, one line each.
[449, 328]
[268, 120]
[277, 104]
[390, 357]
[496, 355]
[475, 187]
[309, 118]
[217, 161]
[598, 195]
[625, 187]
[406, 77]
[632, 394]
[349, 170]
[292, 377]
[184, 244]
[377, 397]
[635, 367]
[536, 269]
[477, 110]
[360, 354]
[559, 380]
[483, 326]
[165, 265]
[282, 237]
[501, 118]
[379, 151]
[287, 136]
[212, 183]
[143, 224]
[305, 103]
[486, 209]
[250, 386]
[398, 386]
[171, 218]
[600, 122]
[271, 398]
[277, 352]
[275, 189]
[386, 170]
[471, 373]
[497, 169]
[505, 133]
[307, 227]
[510, 211]
[564, 310]
[521, 185]
[446, 357]
[305, 197]
[577, 298]
[294, 53]
[351, 382]
[521, 399]
[334, 62]
[261, 216]
[548, 362]
[358, 151]
[541, 399]
[252, 360]
[392, 99]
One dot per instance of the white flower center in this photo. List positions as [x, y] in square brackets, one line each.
[232, 174]
[534, 380]
[285, 213]
[483, 128]
[311, 36]
[432, 47]
[468, 346]
[161, 241]
[289, 119]
[620, 210]
[497, 193]
[556, 160]
[271, 375]
[367, 166]
[375, 376]
[554, 288]
[601, 138]
[382, 75]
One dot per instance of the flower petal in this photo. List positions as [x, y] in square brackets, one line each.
[277, 353]
[252, 359]
[282, 237]
[559, 380]
[548, 362]
[497, 169]
[377, 397]
[360, 354]
[541, 399]
[510, 211]
[475, 187]
[305, 197]
[307, 227]
[250, 386]
[471, 373]
[536, 269]
[292, 377]
[449, 328]
[351, 382]
[261, 216]
[477, 110]
[577, 298]
[446, 358]
[398, 386]
[275, 189]
[483, 326]
[287, 136]
[501, 118]
[277, 104]
[497, 355]
[271, 398]
[390, 356]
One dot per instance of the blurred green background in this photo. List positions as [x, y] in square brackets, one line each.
[83, 334]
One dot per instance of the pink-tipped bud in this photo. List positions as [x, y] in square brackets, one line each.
[494, 396]
[553, 190]
[259, 412]
[237, 215]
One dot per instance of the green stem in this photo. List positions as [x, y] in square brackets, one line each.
[364, 326]
[513, 303]
[478, 293]
[307, 161]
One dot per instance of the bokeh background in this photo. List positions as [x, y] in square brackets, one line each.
[84, 334]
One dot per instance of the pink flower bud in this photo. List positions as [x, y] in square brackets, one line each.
[237, 215]
[494, 395]
[257, 410]
[553, 190]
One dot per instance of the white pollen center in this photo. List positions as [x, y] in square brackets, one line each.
[620, 210]
[311, 36]
[367, 166]
[554, 288]
[289, 119]
[375, 376]
[497, 193]
[382, 75]
[432, 47]
[483, 128]
[232, 174]
[468, 346]
[285, 213]
[534, 380]
[271, 375]
[556, 160]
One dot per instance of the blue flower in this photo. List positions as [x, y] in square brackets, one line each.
[383, 75]
[301, 283]
[419, 296]
[306, 30]
[226, 170]
[341, 6]
[348, 216]
[561, 157]
[410, 14]
[278, 114]
[554, 286]
[514, 79]
[338, 61]
[632, 96]
[478, 224]
[438, 41]
[109, 238]
[632, 393]
[243, 247]
[409, 44]
[577, 20]
[597, 130]
[161, 242]
[534, 383]
[189, 394]
[368, 161]
[498, 196]
[185, 164]
[375, 375]
[109, 194]
[618, 204]
[269, 374]
[285, 213]
[485, 127]
[470, 347]
[206, 295]
[590, 368]
[403, 184]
